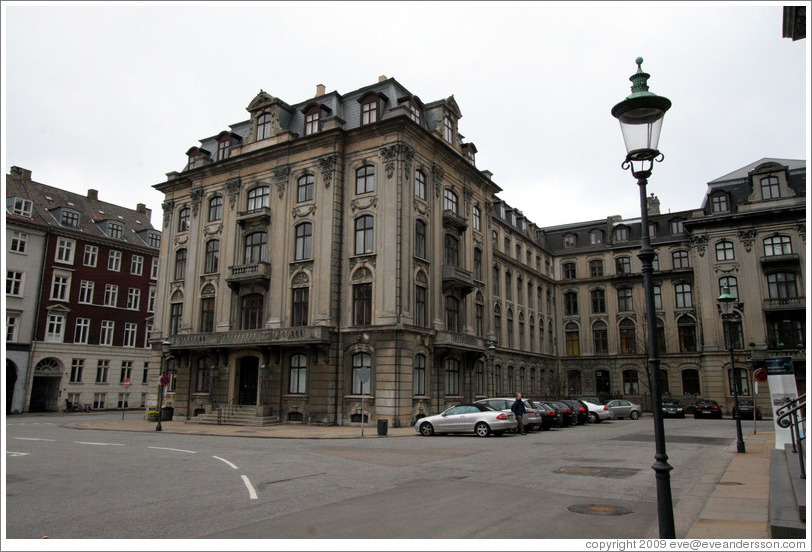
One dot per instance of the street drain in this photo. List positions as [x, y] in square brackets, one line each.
[599, 510]
[598, 471]
[730, 483]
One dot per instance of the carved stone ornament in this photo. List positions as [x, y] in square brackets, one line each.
[390, 155]
[802, 231]
[437, 173]
[699, 243]
[726, 268]
[196, 196]
[747, 238]
[213, 229]
[363, 274]
[233, 186]
[468, 194]
[359, 204]
[168, 206]
[365, 260]
[421, 208]
[301, 279]
[181, 239]
[301, 266]
[627, 315]
[478, 239]
[327, 165]
[281, 175]
[301, 211]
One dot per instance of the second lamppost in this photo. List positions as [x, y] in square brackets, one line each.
[726, 304]
[641, 117]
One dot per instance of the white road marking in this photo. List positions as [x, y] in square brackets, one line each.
[33, 439]
[176, 450]
[251, 492]
[100, 444]
[17, 453]
[226, 461]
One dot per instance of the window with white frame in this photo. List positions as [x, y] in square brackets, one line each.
[12, 321]
[114, 261]
[130, 332]
[684, 296]
[69, 219]
[155, 265]
[19, 206]
[769, 188]
[361, 362]
[134, 299]
[777, 245]
[106, 333]
[64, 250]
[17, 241]
[86, 289]
[115, 230]
[679, 259]
[258, 198]
[55, 328]
[298, 374]
[98, 400]
[77, 368]
[724, 251]
[477, 218]
[137, 265]
[126, 371]
[60, 287]
[147, 331]
[14, 282]
[110, 295]
[91, 255]
[153, 291]
[81, 331]
[264, 126]
[448, 129]
[123, 400]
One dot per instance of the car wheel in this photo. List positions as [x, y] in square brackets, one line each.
[536, 427]
[426, 429]
[634, 415]
[482, 429]
[594, 418]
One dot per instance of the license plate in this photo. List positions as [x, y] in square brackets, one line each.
[706, 412]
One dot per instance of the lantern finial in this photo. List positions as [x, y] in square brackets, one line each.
[639, 79]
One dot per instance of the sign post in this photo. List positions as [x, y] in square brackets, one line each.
[363, 376]
[123, 408]
[759, 376]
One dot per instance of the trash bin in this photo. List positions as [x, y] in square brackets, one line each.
[383, 426]
[166, 413]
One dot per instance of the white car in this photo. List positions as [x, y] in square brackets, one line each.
[480, 419]
[598, 412]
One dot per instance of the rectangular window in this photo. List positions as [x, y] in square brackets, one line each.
[300, 304]
[18, 242]
[114, 261]
[137, 265]
[115, 230]
[369, 112]
[362, 304]
[134, 299]
[151, 299]
[677, 227]
[175, 314]
[19, 206]
[70, 219]
[77, 369]
[110, 295]
[145, 375]
[91, 255]
[207, 314]
[154, 273]
[14, 282]
[86, 288]
[60, 287]
[98, 400]
[130, 333]
[312, 123]
[11, 327]
[421, 310]
[55, 329]
[123, 400]
[102, 370]
[154, 240]
[419, 378]
[126, 370]
[106, 333]
[298, 374]
[81, 331]
[64, 250]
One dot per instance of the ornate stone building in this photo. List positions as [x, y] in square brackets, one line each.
[352, 234]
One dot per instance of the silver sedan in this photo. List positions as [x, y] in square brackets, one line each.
[467, 418]
[623, 408]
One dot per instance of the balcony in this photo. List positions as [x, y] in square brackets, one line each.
[788, 303]
[455, 340]
[455, 221]
[455, 277]
[790, 260]
[257, 273]
[261, 216]
[240, 338]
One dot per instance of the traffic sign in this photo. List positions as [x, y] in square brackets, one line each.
[127, 383]
[164, 380]
[760, 375]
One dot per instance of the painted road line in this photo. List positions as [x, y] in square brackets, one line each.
[176, 450]
[100, 444]
[226, 461]
[10, 453]
[33, 439]
[251, 492]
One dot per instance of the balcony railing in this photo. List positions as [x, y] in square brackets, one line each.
[262, 215]
[250, 273]
[453, 220]
[456, 340]
[455, 277]
[239, 338]
[787, 303]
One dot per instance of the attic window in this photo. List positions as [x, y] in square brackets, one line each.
[223, 148]
[69, 219]
[448, 129]
[369, 110]
[414, 112]
[19, 206]
[312, 120]
[264, 126]
[719, 203]
[115, 230]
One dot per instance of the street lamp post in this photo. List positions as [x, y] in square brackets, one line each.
[726, 301]
[164, 357]
[491, 354]
[641, 117]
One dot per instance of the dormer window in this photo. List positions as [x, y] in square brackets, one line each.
[596, 237]
[223, 148]
[19, 206]
[769, 188]
[369, 109]
[448, 129]
[719, 203]
[312, 121]
[569, 240]
[154, 240]
[69, 219]
[115, 230]
[414, 112]
[264, 126]
[676, 227]
[621, 233]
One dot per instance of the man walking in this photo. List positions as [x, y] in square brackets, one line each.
[518, 410]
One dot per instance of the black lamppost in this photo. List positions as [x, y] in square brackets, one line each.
[641, 117]
[164, 359]
[491, 354]
[726, 304]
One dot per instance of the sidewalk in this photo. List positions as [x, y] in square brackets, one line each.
[738, 507]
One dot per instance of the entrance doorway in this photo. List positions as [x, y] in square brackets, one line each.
[45, 387]
[247, 384]
[11, 379]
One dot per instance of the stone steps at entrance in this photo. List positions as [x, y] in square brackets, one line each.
[237, 415]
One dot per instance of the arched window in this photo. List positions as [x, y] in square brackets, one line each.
[450, 201]
[304, 241]
[477, 218]
[364, 234]
[251, 311]
[686, 328]
[574, 382]
[628, 338]
[215, 208]
[769, 188]
[452, 376]
[479, 315]
[255, 247]
[532, 381]
[603, 383]
[630, 382]
[365, 179]
[532, 334]
[600, 338]
[521, 330]
[180, 264]
[419, 375]
[522, 375]
[297, 377]
[420, 239]
[690, 382]
[497, 379]
[264, 126]
[510, 382]
[361, 364]
[724, 251]
[573, 339]
[257, 198]
[497, 322]
[304, 188]
[183, 219]
[212, 263]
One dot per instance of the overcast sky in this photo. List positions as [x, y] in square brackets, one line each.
[110, 96]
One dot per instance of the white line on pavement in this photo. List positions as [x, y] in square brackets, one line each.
[10, 453]
[226, 461]
[251, 492]
[100, 444]
[33, 439]
[176, 450]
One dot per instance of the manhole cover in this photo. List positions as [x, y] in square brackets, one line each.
[599, 510]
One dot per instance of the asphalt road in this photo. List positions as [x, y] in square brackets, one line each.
[592, 481]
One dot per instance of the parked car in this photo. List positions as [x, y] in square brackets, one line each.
[746, 411]
[550, 417]
[672, 409]
[532, 418]
[707, 409]
[579, 408]
[598, 412]
[568, 417]
[623, 408]
[593, 400]
[467, 418]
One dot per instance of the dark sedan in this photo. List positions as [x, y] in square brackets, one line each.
[579, 408]
[747, 410]
[549, 416]
[707, 409]
[673, 409]
[569, 418]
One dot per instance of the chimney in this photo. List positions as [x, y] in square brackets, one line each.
[382, 78]
[93, 194]
[319, 90]
[23, 174]
[653, 205]
[141, 208]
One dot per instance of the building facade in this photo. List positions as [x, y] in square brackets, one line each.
[81, 282]
[343, 259]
